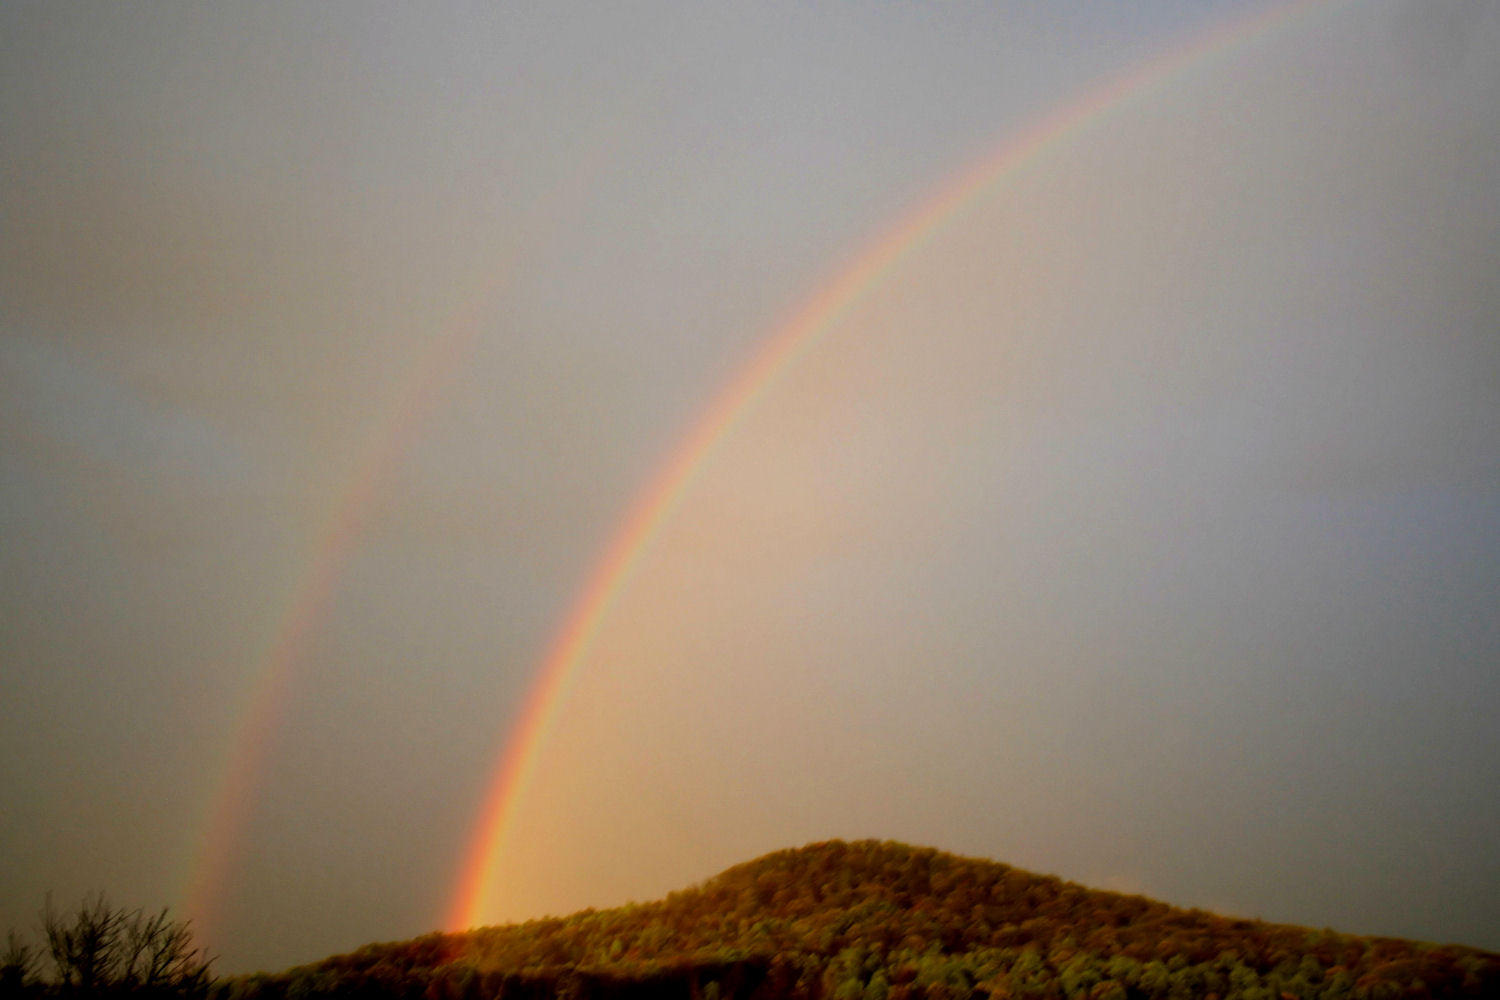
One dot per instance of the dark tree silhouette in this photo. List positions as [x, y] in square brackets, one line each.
[103, 951]
[18, 966]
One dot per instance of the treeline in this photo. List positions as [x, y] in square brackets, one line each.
[884, 921]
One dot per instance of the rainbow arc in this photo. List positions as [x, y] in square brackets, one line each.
[794, 338]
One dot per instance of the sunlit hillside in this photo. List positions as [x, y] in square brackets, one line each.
[886, 921]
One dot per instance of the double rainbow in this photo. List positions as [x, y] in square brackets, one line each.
[229, 806]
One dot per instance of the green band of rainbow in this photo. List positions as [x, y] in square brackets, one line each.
[793, 339]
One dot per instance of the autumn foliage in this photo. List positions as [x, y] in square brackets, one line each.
[884, 921]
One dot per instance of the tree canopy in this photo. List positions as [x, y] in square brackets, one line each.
[883, 921]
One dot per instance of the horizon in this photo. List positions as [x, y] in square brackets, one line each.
[492, 463]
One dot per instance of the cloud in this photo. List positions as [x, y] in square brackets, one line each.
[57, 403]
[80, 441]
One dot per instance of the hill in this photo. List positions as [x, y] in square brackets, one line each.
[885, 921]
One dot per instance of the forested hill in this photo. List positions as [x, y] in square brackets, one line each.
[884, 921]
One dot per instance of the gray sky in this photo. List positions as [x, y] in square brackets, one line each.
[1142, 526]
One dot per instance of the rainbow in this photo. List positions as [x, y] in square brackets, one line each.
[227, 805]
[792, 339]
[310, 598]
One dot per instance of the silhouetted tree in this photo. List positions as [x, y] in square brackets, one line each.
[102, 951]
[18, 968]
[158, 957]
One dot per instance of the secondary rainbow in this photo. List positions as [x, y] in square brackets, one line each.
[314, 588]
[791, 340]
[230, 799]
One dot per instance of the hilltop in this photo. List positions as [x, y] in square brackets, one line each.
[877, 920]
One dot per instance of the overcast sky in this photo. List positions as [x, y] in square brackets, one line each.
[1142, 526]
